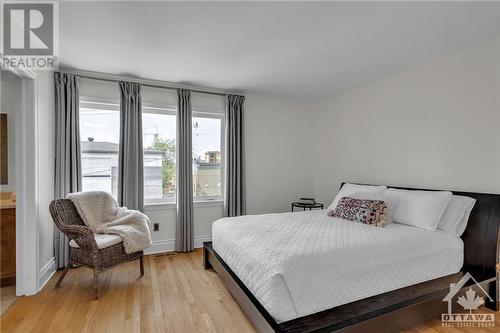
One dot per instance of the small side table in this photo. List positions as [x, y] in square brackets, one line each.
[304, 206]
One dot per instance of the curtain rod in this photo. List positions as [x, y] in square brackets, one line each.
[142, 82]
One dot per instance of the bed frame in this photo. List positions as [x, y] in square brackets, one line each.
[403, 307]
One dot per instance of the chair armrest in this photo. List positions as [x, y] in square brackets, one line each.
[82, 235]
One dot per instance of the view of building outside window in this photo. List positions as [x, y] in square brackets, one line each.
[207, 181]
[159, 132]
[99, 134]
[100, 131]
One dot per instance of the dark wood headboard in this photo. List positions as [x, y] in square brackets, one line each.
[481, 237]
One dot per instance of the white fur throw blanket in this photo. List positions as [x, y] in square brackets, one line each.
[101, 213]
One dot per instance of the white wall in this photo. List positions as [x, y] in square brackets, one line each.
[46, 155]
[279, 153]
[164, 239]
[436, 125]
[10, 86]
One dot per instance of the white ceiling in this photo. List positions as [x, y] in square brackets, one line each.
[304, 51]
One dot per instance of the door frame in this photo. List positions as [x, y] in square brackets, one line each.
[26, 180]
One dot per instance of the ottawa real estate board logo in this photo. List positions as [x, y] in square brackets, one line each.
[470, 301]
[29, 35]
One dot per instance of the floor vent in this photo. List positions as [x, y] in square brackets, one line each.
[164, 255]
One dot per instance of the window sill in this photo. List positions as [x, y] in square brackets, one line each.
[172, 205]
[208, 203]
[159, 206]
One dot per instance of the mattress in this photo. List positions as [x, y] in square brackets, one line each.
[304, 262]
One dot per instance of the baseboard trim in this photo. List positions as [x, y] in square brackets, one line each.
[46, 273]
[7, 281]
[199, 240]
[168, 245]
[161, 246]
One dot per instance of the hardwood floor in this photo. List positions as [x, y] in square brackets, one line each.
[175, 295]
[7, 298]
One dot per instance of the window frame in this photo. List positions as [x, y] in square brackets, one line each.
[108, 104]
[165, 109]
[102, 104]
[221, 116]
[161, 110]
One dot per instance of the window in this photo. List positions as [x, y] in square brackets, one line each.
[99, 135]
[207, 157]
[100, 132]
[159, 130]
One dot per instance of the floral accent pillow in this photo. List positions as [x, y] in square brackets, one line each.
[373, 212]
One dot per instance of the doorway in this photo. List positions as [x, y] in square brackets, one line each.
[19, 187]
[10, 89]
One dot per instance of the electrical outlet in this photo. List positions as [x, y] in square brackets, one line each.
[156, 226]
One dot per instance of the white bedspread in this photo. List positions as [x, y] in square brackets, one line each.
[304, 262]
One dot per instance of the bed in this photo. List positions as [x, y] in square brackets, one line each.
[301, 272]
[305, 262]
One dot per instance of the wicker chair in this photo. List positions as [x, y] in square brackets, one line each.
[87, 253]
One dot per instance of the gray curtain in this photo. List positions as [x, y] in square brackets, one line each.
[234, 189]
[184, 240]
[68, 173]
[130, 155]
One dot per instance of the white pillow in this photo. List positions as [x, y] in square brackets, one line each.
[348, 189]
[421, 209]
[456, 215]
[377, 196]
